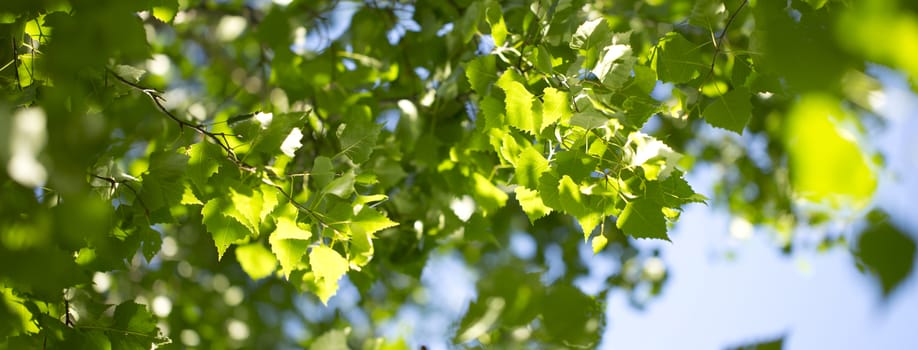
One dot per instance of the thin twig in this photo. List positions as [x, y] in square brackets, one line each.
[300, 206]
[718, 43]
[218, 138]
[68, 320]
[113, 184]
[16, 63]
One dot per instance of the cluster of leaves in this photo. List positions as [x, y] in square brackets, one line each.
[204, 152]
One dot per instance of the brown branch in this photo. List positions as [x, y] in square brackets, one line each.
[718, 43]
[158, 100]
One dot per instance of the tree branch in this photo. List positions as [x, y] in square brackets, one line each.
[718, 42]
[158, 100]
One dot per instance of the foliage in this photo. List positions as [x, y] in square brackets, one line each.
[215, 160]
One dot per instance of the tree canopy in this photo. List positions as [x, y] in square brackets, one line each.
[182, 173]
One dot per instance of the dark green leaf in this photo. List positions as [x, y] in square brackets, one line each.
[730, 111]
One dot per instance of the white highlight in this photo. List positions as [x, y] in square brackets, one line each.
[231, 27]
[233, 296]
[27, 138]
[264, 119]
[647, 148]
[101, 282]
[292, 142]
[237, 330]
[463, 207]
[169, 247]
[162, 306]
[654, 269]
[740, 228]
[159, 64]
[190, 337]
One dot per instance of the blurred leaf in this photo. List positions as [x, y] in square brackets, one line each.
[332, 340]
[571, 317]
[888, 252]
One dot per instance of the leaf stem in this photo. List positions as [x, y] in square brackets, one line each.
[718, 43]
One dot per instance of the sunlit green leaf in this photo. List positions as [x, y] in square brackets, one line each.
[289, 242]
[256, 260]
[329, 267]
[521, 107]
[531, 203]
[225, 230]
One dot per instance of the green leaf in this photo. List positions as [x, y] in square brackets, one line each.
[643, 218]
[489, 197]
[520, 104]
[887, 252]
[498, 27]
[571, 318]
[289, 242]
[323, 171]
[615, 63]
[335, 339]
[246, 208]
[530, 165]
[269, 200]
[678, 60]
[555, 107]
[531, 203]
[162, 184]
[136, 327]
[599, 243]
[370, 220]
[673, 192]
[730, 111]
[575, 164]
[656, 158]
[151, 240]
[202, 163]
[591, 33]
[128, 72]
[574, 203]
[363, 225]
[358, 139]
[589, 119]
[826, 164]
[256, 260]
[164, 10]
[590, 38]
[225, 230]
[274, 29]
[329, 267]
[482, 72]
[341, 187]
[548, 190]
